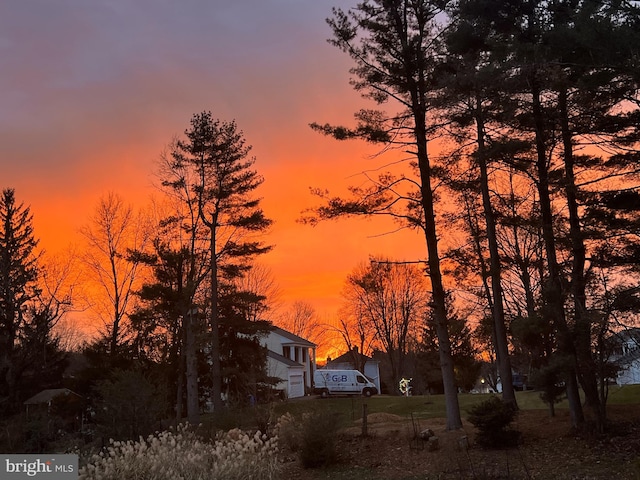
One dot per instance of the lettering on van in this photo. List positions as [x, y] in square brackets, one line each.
[334, 378]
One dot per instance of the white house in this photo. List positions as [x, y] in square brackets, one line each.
[292, 359]
[627, 356]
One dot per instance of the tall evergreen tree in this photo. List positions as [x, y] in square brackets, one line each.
[18, 276]
[574, 67]
[591, 52]
[472, 101]
[166, 323]
[214, 170]
[570, 65]
[392, 44]
[181, 269]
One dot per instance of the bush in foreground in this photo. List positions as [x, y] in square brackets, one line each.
[319, 436]
[181, 455]
[493, 420]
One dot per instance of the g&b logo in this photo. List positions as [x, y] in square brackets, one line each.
[51, 467]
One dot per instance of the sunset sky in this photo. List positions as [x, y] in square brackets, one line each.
[91, 92]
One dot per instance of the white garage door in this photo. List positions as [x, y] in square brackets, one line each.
[296, 386]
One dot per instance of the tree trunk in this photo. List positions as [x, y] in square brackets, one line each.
[395, 373]
[438, 293]
[553, 290]
[216, 368]
[587, 371]
[501, 344]
[179, 388]
[115, 329]
[193, 405]
[523, 264]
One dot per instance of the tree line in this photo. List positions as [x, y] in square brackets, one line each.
[181, 322]
[533, 108]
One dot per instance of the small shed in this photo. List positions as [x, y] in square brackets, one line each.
[55, 397]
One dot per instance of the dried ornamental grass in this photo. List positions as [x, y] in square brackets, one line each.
[181, 455]
[289, 432]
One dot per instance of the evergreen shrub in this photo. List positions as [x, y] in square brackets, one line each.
[319, 443]
[492, 418]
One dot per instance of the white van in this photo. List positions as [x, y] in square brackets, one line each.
[342, 382]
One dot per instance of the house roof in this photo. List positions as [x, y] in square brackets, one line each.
[632, 333]
[631, 337]
[45, 396]
[348, 358]
[294, 338]
[283, 359]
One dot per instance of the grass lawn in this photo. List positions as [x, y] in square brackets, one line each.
[548, 450]
[432, 406]
[421, 407]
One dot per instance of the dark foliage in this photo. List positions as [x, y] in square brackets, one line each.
[493, 420]
[129, 404]
[549, 379]
[30, 355]
[463, 352]
[319, 439]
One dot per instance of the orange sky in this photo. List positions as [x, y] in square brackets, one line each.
[91, 93]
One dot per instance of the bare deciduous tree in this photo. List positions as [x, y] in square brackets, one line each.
[393, 47]
[259, 280]
[391, 299]
[58, 282]
[301, 319]
[114, 232]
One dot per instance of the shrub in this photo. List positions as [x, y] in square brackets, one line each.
[318, 443]
[263, 417]
[182, 455]
[129, 405]
[492, 418]
[550, 380]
